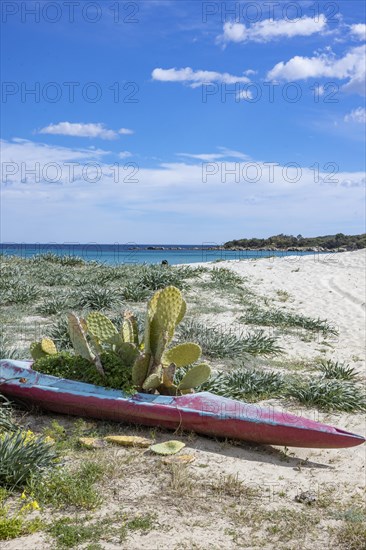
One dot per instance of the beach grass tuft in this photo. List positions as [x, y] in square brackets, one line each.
[23, 455]
[247, 384]
[7, 423]
[216, 342]
[337, 370]
[287, 319]
[98, 298]
[21, 294]
[243, 384]
[6, 350]
[329, 395]
[222, 276]
[133, 292]
[51, 258]
[157, 277]
[54, 304]
[59, 333]
[64, 487]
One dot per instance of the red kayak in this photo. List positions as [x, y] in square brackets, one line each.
[202, 412]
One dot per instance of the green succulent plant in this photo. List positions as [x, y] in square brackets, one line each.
[156, 369]
[148, 363]
[43, 348]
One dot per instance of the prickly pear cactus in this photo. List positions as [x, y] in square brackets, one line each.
[48, 346]
[78, 337]
[165, 311]
[129, 329]
[168, 376]
[36, 351]
[140, 369]
[77, 332]
[182, 355]
[168, 307]
[150, 365]
[152, 382]
[100, 326]
[127, 352]
[196, 376]
[42, 349]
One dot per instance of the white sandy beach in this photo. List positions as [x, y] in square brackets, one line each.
[331, 286]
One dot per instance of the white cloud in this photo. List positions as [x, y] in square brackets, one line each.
[351, 67]
[358, 31]
[173, 191]
[206, 157]
[80, 129]
[245, 95]
[195, 78]
[124, 154]
[357, 115]
[212, 157]
[125, 131]
[271, 29]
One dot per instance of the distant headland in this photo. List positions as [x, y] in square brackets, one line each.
[335, 243]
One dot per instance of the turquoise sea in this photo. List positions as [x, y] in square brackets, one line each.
[114, 254]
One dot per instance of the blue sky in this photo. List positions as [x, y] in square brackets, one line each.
[181, 121]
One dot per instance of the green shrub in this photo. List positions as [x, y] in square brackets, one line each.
[75, 367]
[13, 526]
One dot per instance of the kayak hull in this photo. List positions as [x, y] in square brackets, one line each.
[203, 412]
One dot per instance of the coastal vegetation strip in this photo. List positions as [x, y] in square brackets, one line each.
[338, 242]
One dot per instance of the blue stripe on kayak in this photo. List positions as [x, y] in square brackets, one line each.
[63, 385]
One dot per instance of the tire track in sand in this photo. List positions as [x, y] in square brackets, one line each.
[345, 294]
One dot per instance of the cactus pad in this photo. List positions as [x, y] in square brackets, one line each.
[91, 443]
[127, 352]
[182, 355]
[152, 382]
[130, 329]
[196, 376]
[48, 346]
[140, 369]
[168, 375]
[168, 307]
[183, 311]
[36, 351]
[129, 440]
[78, 338]
[100, 326]
[168, 447]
